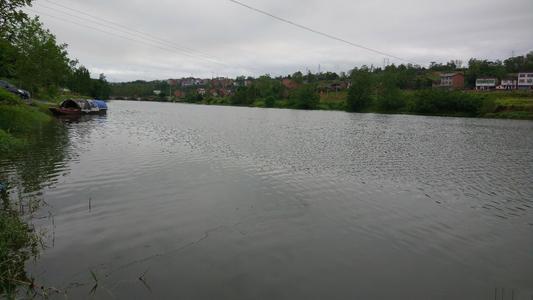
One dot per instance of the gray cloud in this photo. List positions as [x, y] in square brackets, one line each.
[250, 43]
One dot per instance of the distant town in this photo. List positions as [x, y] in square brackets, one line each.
[515, 73]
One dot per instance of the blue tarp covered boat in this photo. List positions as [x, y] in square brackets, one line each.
[80, 107]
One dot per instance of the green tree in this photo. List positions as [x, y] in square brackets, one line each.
[11, 16]
[298, 77]
[41, 62]
[305, 97]
[360, 92]
[80, 81]
[101, 90]
[389, 97]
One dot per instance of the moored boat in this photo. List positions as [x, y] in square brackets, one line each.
[80, 107]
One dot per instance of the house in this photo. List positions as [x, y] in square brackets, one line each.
[452, 81]
[289, 84]
[508, 83]
[525, 80]
[187, 82]
[483, 84]
[179, 94]
[201, 91]
[221, 82]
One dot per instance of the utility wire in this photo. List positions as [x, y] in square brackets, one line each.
[108, 32]
[129, 28]
[155, 41]
[146, 36]
[317, 32]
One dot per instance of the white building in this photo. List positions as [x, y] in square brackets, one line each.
[486, 84]
[525, 80]
[508, 84]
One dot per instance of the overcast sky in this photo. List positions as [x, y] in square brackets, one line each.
[220, 38]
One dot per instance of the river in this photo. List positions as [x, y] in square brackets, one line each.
[177, 201]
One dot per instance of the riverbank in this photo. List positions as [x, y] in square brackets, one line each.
[501, 105]
[21, 125]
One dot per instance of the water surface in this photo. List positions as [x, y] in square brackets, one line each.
[206, 202]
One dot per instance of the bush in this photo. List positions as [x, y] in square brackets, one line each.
[304, 97]
[270, 101]
[389, 97]
[18, 243]
[360, 93]
[8, 143]
[21, 119]
[9, 98]
[437, 101]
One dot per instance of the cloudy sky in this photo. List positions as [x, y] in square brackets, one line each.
[141, 39]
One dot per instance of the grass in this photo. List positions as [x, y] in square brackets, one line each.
[18, 243]
[19, 122]
[512, 107]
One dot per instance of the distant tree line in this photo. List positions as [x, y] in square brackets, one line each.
[31, 58]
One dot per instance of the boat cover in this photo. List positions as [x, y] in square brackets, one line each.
[100, 103]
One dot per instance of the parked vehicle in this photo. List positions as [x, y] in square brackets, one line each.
[12, 89]
[80, 107]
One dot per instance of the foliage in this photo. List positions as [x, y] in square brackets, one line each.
[9, 98]
[9, 144]
[11, 16]
[18, 243]
[438, 101]
[193, 97]
[245, 96]
[41, 62]
[305, 97]
[389, 97]
[267, 86]
[33, 60]
[519, 63]
[270, 101]
[21, 120]
[360, 93]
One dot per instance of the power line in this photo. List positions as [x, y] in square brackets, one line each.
[128, 28]
[108, 32]
[317, 32]
[155, 41]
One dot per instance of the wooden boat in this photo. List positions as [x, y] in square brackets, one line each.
[80, 107]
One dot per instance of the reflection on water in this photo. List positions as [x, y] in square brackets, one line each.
[172, 200]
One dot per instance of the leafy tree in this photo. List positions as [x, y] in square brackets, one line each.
[80, 81]
[41, 62]
[305, 97]
[298, 77]
[483, 68]
[389, 97]
[519, 63]
[267, 87]
[270, 101]
[360, 92]
[100, 88]
[11, 16]
[8, 59]
[245, 96]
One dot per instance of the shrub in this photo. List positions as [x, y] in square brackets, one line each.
[360, 93]
[304, 97]
[389, 97]
[270, 101]
[21, 119]
[18, 243]
[437, 101]
[9, 98]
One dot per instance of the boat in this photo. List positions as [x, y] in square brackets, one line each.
[80, 107]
